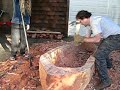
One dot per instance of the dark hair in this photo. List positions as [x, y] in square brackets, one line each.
[83, 14]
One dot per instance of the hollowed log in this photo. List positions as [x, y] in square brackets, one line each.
[59, 77]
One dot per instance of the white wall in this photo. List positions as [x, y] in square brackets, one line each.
[114, 10]
[110, 8]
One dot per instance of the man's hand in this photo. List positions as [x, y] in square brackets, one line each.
[78, 39]
[28, 27]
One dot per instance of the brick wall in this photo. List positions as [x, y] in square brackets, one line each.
[50, 15]
[0, 4]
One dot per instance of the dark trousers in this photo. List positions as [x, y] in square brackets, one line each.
[102, 56]
[18, 39]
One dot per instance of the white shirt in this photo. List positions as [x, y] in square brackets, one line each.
[104, 26]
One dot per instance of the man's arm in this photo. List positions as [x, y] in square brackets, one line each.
[95, 39]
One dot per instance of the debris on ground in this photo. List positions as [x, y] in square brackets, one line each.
[75, 56]
[114, 73]
[17, 75]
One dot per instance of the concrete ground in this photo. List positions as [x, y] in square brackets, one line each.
[3, 54]
[4, 47]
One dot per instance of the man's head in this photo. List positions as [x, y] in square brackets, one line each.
[83, 17]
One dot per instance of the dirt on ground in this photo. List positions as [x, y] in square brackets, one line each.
[18, 75]
[75, 56]
[114, 73]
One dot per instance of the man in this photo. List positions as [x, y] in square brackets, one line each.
[105, 32]
[17, 31]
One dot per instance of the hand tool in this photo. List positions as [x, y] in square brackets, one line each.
[29, 56]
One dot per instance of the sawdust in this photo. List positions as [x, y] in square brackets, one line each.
[75, 56]
[114, 73]
[17, 75]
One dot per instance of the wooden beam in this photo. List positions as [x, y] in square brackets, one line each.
[44, 32]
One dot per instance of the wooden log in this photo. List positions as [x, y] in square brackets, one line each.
[44, 32]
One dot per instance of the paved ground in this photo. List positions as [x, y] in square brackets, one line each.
[3, 54]
[4, 47]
